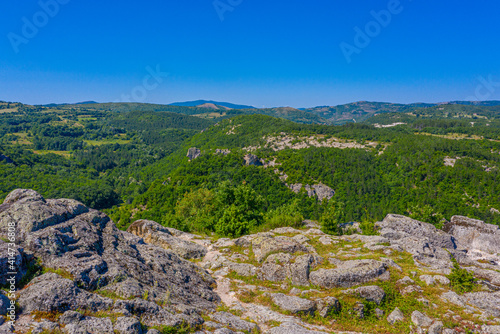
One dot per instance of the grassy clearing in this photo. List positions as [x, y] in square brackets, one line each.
[107, 141]
[65, 154]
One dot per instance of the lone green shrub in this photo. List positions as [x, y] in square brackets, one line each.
[461, 280]
[332, 217]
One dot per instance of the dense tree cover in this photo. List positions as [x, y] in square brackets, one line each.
[134, 165]
[99, 156]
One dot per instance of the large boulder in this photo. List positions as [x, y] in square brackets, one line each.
[474, 234]
[396, 227]
[371, 293]
[252, 160]
[155, 234]
[70, 238]
[293, 304]
[193, 153]
[429, 246]
[265, 245]
[350, 273]
[234, 322]
[53, 293]
[281, 266]
[292, 328]
[320, 190]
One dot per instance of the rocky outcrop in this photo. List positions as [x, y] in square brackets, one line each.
[282, 266]
[266, 244]
[350, 273]
[473, 234]
[193, 153]
[370, 293]
[86, 247]
[155, 234]
[320, 190]
[97, 279]
[252, 160]
[430, 247]
[222, 151]
[293, 304]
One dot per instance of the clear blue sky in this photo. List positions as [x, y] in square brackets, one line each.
[263, 53]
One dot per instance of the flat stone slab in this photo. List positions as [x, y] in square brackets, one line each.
[350, 273]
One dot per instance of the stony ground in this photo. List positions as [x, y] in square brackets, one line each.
[79, 274]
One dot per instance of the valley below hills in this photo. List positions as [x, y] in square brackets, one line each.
[209, 217]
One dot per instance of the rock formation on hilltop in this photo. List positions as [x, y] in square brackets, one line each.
[80, 274]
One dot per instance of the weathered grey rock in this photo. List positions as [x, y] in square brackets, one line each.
[491, 276]
[292, 328]
[70, 317]
[30, 212]
[233, 322]
[379, 313]
[350, 273]
[155, 234]
[320, 190]
[264, 245]
[420, 319]
[323, 191]
[293, 304]
[405, 280]
[67, 236]
[52, 293]
[328, 305]
[359, 310]
[44, 326]
[276, 267]
[252, 160]
[6, 328]
[485, 301]
[428, 279]
[223, 331]
[449, 331]
[222, 151]
[395, 227]
[371, 293]
[490, 329]
[300, 269]
[193, 153]
[153, 331]
[395, 316]
[127, 325]
[429, 245]
[242, 269]
[436, 328]
[410, 289]
[441, 279]
[90, 325]
[474, 234]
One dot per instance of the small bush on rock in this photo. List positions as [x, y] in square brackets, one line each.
[461, 280]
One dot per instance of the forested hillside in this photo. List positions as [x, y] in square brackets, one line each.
[253, 172]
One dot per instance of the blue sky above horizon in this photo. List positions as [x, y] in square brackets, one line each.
[262, 53]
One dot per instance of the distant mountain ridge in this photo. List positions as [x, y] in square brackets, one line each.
[204, 102]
